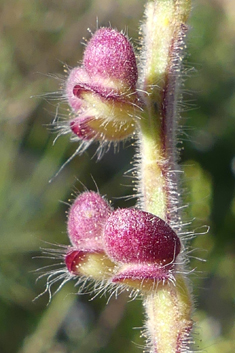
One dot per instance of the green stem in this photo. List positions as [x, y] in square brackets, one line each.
[169, 318]
[164, 34]
[153, 182]
[168, 308]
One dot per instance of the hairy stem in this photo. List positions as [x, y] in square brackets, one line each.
[169, 333]
[168, 308]
[164, 34]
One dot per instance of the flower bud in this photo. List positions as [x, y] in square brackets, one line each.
[102, 92]
[144, 245]
[85, 221]
[132, 235]
[110, 55]
[86, 218]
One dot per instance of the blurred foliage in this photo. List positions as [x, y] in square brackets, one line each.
[36, 38]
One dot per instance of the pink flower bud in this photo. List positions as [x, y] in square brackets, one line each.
[109, 54]
[85, 221]
[144, 246]
[135, 236]
[102, 92]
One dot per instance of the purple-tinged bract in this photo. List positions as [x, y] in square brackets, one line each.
[80, 127]
[76, 75]
[72, 260]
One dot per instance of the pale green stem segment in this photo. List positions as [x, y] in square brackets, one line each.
[168, 308]
[163, 33]
[152, 180]
[169, 330]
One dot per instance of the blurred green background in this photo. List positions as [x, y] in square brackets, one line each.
[36, 38]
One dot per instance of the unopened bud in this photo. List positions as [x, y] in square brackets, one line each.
[86, 219]
[144, 246]
[102, 92]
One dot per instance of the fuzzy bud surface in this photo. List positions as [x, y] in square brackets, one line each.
[86, 218]
[85, 221]
[110, 55]
[135, 236]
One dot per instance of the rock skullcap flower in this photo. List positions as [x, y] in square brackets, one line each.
[85, 223]
[144, 245]
[102, 92]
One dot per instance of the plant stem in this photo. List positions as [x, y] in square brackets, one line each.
[169, 307]
[169, 330]
[164, 34]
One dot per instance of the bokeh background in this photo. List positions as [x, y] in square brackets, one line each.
[36, 38]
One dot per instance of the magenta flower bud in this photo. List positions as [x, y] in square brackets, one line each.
[85, 221]
[132, 235]
[143, 243]
[109, 54]
[102, 92]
